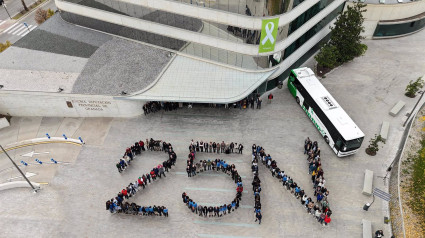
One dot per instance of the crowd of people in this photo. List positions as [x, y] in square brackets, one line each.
[320, 210]
[138, 147]
[213, 147]
[321, 193]
[152, 107]
[203, 165]
[256, 182]
[118, 203]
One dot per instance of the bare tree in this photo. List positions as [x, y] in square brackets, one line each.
[25, 5]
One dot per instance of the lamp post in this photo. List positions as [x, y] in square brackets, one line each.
[20, 171]
[4, 5]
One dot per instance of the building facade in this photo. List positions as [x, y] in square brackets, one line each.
[392, 18]
[225, 32]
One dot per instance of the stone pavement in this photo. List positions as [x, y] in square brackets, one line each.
[73, 204]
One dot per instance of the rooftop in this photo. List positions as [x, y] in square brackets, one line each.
[83, 61]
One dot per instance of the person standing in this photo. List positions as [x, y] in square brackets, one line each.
[201, 146]
[240, 148]
[270, 97]
[258, 103]
[148, 176]
[327, 220]
[218, 147]
[165, 211]
[258, 217]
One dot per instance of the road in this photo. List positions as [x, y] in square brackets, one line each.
[13, 6]
[16, 30]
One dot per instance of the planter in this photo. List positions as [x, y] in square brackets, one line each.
[410, 95]
[370, 152]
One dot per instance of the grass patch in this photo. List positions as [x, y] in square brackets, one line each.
[416, 182]
[23, 12]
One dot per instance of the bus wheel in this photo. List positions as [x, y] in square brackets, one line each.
[297, 99]
[326, 139]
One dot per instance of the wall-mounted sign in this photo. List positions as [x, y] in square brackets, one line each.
[268, 35]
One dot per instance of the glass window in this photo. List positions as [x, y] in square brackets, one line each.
[353, 144]
[395, 29]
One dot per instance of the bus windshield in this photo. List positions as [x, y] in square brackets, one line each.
[353, 144]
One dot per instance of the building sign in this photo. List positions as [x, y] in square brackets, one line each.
[268, 35]
[92, 105]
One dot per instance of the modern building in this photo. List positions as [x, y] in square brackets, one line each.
[107, 58]
[223, 50]
[392, 18]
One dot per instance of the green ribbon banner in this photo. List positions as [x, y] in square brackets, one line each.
[268, 35]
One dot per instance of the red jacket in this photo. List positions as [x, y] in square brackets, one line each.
[124, 192]
[327, 219]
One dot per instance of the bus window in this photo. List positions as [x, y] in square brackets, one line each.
[292, 77]
[354, 144]
[338, 144]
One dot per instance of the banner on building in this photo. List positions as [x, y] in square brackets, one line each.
[268, 35]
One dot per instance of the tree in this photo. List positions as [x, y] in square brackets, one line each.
[373, 145]
[413, 87]
[40, 16]
[327, 57]
[25, 5]
[345, 36]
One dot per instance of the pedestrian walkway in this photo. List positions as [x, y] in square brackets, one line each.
[2, 22]
[18, 29]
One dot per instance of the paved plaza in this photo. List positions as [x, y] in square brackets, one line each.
[72, 204]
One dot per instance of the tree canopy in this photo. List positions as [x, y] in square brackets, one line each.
[345, 40]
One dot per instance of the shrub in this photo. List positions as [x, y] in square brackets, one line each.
[50, 13]
[413, 87]
[373, 145]
[4, 46]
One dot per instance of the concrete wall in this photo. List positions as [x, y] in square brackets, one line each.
[379, 12]
[16, 103]
[4, 123]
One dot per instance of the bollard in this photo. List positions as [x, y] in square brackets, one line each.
[54, 161]
[64, 136]
[47, 134]
[38, 161]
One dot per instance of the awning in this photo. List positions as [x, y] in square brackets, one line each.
[196, 81]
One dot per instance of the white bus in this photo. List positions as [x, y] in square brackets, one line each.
[336, 127]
